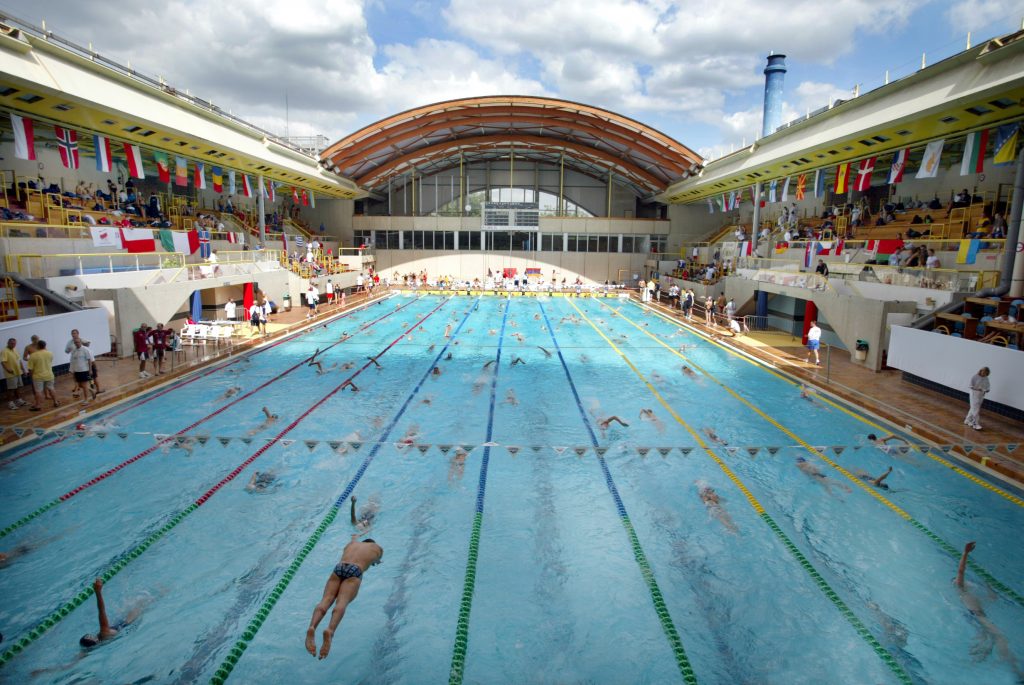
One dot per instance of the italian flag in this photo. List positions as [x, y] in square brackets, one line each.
[974, 153]
[185, 242]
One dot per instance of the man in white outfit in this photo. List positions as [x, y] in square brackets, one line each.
[979, 388]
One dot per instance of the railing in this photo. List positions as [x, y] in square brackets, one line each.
[229, 263]
[793, 279]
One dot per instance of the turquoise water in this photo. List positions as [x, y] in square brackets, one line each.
[583, 568]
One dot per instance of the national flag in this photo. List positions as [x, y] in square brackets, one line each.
[134, 158]
[137, 240]
[819, 183]
[711, 207]
[772, 187]
[305, 198]
[163, 166]
[185, 242]
[295, 195]
[842, 182]
[233, 237]
[67, 144]
[180, 171]
[105, 236]
[284, 242]
[204, 243]
[231, 182]
[932, 160]
[199, 179]
[809, 252]
[263, 189]
[864, 171]
[246, 185]
[899, 165]
[1006, 144]
[968, 252]
[218, 179]
[974, 153]
[785, 189]
[746, 248]
[883, 247]
[272, 191]
[830, 248]
[102, 147]
[724, 202]
[300, 242]
[801, 187]
[734, 203]
[781, 247]
[24, 138]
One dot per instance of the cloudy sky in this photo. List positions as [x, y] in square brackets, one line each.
[692, 69]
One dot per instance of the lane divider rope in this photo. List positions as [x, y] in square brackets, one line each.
[229, 662]
[174, 385]
[912, 440]
[952, 551]
[7, 530]
[461, 644]
[126, 558]
[660, 607]
[858, 625]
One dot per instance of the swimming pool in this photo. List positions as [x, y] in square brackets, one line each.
[563, 552]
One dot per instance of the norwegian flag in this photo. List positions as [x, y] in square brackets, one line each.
[864, 171]
[67, 143]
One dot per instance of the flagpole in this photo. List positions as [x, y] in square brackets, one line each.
[262, 216]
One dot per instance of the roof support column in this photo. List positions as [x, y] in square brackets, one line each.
[462, 186]
[756, 223]
[561, 184]
[608, 212]
[262, 218]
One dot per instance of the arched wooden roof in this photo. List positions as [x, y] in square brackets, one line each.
[432, 138]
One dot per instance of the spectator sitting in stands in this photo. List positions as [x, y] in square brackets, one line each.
[998, 226]
[983, 229]
[935, 204]
[911, 233]
[917, 220]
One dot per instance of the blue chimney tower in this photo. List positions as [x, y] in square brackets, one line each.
[774, 75]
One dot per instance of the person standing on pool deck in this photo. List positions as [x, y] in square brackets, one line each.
[813, 343]
[341, 588]
[980, 386]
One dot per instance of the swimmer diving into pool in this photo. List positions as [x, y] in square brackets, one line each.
[341, 589]
[990, 635]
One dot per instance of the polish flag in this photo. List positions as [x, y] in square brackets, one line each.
[67, 144]
[24, 138]
[138, 240]
[134, 155]
[102, 145]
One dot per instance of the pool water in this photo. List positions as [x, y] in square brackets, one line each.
[568, 549]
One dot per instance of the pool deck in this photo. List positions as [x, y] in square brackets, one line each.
[119, 378]
[933, 416]
[929, 414]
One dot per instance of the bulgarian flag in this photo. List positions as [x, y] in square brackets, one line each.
[180, 171]
[218, 179]
[974, 153]
[163, 166]
[200, 176]
[24, 138]
[246, 185]
[102, 146]
[185, 242]
[134, 155]
[137, 240]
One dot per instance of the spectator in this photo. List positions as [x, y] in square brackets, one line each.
[12, 374]
[81, 366]
[932, 262]
[998, 226]
[40, 366]
[229, 310]
[157, 340]
[822, 268]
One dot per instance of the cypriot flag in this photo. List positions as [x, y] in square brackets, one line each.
[930, 162]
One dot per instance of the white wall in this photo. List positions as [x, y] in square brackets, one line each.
[55, 329]
[953, 361]
[592, 267]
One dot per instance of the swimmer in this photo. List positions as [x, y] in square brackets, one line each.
[374, 360]
[260, 481]
[584, 359]
[510, 398]
[431, 348]
[648, 415]
[546, 353]
[487, 364]
[267, 422]
[607, 421]
[877, 482]
[342, 587]
[448, 357]
[313, 358]
[346, 366]
[713, 502]
[367, 515]
[990, 636]
[518, 360]
[354, 436]
[479, 385]
[536, 317]
[518, 336]
[657, 377]
[231, 392]
[410, 437]
[493, 331]
[436, 371]
[319, 367]
[179, 443]
[457, 465]
[687, 371]
[814, 472]
[447, 332]
[107, 631]
[875, 440]
[351, 385]
[713, 436]
[15, 552]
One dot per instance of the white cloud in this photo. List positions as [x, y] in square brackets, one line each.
[969, 15]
